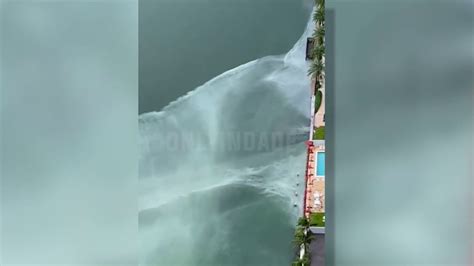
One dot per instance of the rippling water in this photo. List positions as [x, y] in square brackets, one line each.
[203, 203]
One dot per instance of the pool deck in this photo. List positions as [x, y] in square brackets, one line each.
[315, 188]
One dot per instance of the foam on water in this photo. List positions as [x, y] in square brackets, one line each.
[189, 189]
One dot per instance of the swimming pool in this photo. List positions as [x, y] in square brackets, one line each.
[320, 170]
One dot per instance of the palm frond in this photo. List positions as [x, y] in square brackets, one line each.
[319, 16]
[316, 68]
[318, 37]
[303, 221]
[318, 52]
[319, 32]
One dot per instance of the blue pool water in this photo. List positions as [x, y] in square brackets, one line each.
[321, 164]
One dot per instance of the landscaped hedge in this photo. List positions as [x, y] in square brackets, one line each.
[318, 100]
[317, 219]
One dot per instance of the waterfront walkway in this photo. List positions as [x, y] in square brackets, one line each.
[317, 250]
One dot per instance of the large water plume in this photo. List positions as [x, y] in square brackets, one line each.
[221, 168]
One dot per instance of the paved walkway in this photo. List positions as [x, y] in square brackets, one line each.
[317, 250]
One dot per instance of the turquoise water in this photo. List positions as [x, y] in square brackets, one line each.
[321, 164]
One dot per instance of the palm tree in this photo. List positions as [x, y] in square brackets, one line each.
[316, 68]
[299, 263]
[318, 52]
[318, 34]
[303, 222]
[306, 260]
[300, 237]
[318, 16]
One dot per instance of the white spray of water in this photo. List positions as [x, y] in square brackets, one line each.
[265, 95]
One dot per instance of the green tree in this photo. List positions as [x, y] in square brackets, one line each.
[300, 236]
[296, 263]
[303, 222]
[316, 68]
[319, 16]
[319, 34]
[318, 52]
[306, 261]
